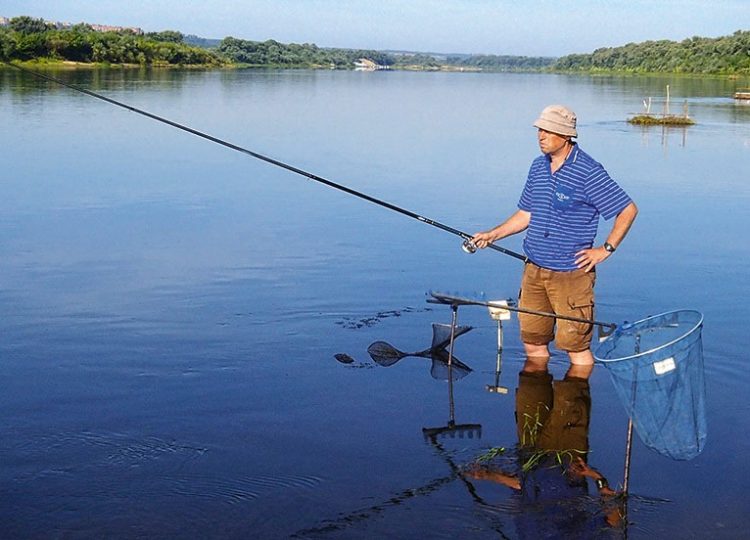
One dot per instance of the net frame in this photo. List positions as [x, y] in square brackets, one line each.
[656, 366]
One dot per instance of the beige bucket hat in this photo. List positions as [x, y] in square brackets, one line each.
[557, 119]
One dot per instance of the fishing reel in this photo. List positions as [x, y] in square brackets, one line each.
[469, 247]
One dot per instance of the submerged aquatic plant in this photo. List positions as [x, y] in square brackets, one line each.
[560, 457]
[491, 454]
[532, 425]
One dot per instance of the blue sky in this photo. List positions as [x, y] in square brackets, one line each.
[533, 28]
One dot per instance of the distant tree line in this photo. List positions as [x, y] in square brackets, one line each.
[493, 62]
[419, 60]
[26, 38]
[273, 53]
[479, 62]
[723, 55]
[206, 43]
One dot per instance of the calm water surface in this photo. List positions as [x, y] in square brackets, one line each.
[170, 310]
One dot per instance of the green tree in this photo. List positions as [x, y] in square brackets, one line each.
[28, 25]
[7, 45]
[30, 46]
[723, 55]
[171, 36]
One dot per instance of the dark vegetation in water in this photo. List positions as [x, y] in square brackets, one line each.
[366, 322]
[26, 38]
[344, 358]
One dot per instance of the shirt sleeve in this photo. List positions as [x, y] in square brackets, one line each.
[605, 194]
[524, 202]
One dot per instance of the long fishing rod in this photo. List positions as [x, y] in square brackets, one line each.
[468, 246]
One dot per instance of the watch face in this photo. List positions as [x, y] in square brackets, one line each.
[609, 247]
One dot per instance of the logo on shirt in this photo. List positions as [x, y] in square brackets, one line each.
[563, 197]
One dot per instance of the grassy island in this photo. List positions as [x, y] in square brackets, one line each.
[653, 120]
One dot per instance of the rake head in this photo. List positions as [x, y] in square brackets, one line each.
[453, 430]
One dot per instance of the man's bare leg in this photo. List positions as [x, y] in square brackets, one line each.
[537, 357]
[581, 364]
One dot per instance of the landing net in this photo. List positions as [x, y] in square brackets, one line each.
[656, 365]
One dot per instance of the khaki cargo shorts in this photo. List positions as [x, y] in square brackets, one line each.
[563, 293]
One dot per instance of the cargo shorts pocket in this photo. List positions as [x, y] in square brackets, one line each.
[573, 336]
[581, 306]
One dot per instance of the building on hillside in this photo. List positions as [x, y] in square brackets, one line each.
[5, 21]
[106, 28]
[365, 64]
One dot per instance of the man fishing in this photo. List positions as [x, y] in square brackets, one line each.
[565, 193]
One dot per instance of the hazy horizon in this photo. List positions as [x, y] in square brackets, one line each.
[499, 27]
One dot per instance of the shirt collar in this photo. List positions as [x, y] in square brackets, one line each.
[571, 157]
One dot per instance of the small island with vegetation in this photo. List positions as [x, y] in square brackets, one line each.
[663, 118]
[28, 39]
[660, 120]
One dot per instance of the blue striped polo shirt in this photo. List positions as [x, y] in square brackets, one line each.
[565, 208]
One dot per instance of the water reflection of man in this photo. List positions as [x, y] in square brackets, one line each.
[565, 193]
[552, 422]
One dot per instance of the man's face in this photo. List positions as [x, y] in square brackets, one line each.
[550, 142]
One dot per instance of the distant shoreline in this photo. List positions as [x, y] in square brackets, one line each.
[43, 63]
[35, 40]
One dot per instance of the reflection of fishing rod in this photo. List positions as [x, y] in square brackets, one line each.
[345, 521]
[467, 237]
[355, 517]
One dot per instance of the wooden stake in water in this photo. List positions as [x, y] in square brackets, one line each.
[629, 445]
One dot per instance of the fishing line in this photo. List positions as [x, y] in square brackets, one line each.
[468, 246]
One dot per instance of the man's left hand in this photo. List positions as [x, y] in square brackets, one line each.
[589, 258]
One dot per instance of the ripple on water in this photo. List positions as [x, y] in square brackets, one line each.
[165, 465]
[113, 474]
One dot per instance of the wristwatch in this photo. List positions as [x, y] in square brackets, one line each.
[601, 483]
[609, 247]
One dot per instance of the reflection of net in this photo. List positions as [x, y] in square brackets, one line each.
[386, 355]
[656, 366]
[441, 335]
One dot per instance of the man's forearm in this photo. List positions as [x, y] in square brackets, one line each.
[623, 222]
[516, 223]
